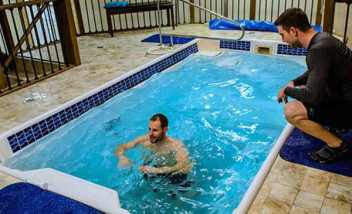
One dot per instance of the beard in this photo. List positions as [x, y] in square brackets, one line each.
[154, 139]
[296, 44]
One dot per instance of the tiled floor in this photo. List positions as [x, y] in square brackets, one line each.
[289, 188]
[295, 189]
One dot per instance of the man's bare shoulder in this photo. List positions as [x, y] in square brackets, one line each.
[176, 143]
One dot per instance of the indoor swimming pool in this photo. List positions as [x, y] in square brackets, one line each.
[223, 108]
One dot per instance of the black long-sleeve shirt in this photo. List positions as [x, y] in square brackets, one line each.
[329, 74]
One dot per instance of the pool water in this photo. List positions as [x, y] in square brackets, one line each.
[223, 109]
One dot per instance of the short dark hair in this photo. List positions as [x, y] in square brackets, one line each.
[293, 17]
[162, 118]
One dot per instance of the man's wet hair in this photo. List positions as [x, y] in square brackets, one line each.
[293, 17]
[162, 118]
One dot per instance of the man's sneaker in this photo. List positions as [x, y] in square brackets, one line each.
[328, 154]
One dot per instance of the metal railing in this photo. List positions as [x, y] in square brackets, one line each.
[48, 18]
[203, 37]
[161, 49]
[30, 48]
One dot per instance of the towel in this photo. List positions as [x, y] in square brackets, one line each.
[116, 4]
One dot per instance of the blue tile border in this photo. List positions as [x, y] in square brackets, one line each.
[287, 50]
[246, 46]
[27, 136]
[236, 45]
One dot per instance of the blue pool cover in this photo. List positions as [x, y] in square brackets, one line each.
[299, 144]
[166, 39]
[219, 24]
[20, 198]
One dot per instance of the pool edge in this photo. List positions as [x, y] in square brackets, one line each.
[263, 172]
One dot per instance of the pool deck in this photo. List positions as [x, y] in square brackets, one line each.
[289, 188]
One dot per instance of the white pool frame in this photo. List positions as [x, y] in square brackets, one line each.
[53, 180]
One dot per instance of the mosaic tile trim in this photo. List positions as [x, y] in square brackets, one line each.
[237, 45]
[38, 130]
[287, 50]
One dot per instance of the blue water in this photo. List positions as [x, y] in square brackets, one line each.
[224, 110]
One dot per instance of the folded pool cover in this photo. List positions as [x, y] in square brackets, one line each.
[219, 24]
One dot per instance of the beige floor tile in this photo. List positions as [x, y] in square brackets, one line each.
[265, 189]
[314, 185]
[309, 201]
[278, 165]
[10, 179]
[272, 206]
[283, 193]
[3, 183]
[319, 174]
[257, 205]
[341, 179]
[2, 175]
[339, 192]
[301, 210]
[335, 206]
[292, 175]
[272, 177]
[7, 179]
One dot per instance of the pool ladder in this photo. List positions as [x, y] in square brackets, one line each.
[168, 49]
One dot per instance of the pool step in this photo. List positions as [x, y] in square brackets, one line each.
[209, 53]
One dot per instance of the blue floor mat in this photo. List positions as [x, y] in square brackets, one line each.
[20, 198]
[299, 144]
[166, 39]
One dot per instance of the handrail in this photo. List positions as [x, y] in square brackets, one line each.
[23, 38]
[202, 37]
[161, 46]
[26, 66]
[216, 14]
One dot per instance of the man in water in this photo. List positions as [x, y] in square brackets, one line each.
[171, 157]
[324, 96]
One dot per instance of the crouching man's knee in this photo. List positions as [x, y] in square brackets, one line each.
[294, 112]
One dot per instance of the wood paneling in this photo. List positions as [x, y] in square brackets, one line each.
[329, 14]
[66, 26]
